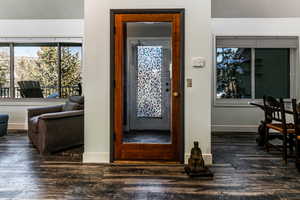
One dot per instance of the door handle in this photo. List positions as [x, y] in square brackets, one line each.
[175, 94]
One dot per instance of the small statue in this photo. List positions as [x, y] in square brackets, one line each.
[196, 166]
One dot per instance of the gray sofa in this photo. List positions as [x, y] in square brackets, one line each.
[55, 128]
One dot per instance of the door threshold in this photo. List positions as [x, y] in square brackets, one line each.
[130, 162]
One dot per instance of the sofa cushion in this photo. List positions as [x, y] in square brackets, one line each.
[77, 99]
[69, 106]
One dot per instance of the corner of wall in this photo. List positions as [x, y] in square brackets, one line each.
[95, 157]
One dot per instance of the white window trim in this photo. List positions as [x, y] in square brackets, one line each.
[41, 39]
[29, 101]
[294, 57]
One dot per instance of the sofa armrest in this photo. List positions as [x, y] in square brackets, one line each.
[60, 130]
[42, 110]
[60, 115]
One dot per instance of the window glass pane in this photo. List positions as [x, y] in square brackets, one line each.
[272, 73]
[36, 72]
[70, 70]
[4, 72]
[233, 73]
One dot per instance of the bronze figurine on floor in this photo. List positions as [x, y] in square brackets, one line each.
[196, 166]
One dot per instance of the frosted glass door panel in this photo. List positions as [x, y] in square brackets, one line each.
[149, 90]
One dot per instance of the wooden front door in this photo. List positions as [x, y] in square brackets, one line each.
[148, 87]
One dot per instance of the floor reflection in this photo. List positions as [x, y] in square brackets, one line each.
[148, 137]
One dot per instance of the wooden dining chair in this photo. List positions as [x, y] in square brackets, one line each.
[296, 110]
[276, 120]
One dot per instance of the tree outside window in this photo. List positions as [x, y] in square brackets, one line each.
[233, 73]
[58, 72]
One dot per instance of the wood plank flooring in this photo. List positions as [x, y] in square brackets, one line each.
[242, 171]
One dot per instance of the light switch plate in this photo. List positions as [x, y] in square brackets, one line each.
[189, 82]
[198, 62]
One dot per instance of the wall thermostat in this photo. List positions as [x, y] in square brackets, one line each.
[198, 62]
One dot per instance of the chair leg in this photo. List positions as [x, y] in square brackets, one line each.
[261, 139]
[267, 139]
[291, 144]
[285, 148]
[297, 162]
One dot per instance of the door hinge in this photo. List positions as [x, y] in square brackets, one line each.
[114, 30]
[114, 84]
[114, 136]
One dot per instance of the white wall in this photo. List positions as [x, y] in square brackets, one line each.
[41, 9]
[247, 118]
[255, 8]
[17, 111]
[41, 28]
[96, 74]
[39, 31]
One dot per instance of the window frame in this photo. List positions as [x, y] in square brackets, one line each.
[5, 44]
[294, 57]
[24, 43]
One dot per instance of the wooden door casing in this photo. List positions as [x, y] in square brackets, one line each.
[137, 151]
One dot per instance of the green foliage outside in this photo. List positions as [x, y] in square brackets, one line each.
[4, 69]
[70, 67]
[233, 73]
[44, 68]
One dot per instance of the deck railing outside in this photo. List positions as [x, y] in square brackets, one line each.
[47, 91]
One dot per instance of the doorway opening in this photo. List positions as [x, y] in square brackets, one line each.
[148, 91]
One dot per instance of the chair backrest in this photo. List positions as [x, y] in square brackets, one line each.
[274, 110]
[30, 89]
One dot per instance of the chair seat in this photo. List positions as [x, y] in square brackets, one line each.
[278, 127]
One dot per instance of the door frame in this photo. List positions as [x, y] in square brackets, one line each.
[113, 12]
[165, 42]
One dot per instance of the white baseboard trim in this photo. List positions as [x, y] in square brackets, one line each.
[234, 128]
[206, 157]
[17, 126]
[95, 157]
[103, 157]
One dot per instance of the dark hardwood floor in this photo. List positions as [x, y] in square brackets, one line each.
[242, 171]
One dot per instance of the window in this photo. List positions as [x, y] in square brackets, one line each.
[55, 68]
[4, 71]
[272, 72]
[233, 73]
[251, 67]
[70, 69]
